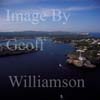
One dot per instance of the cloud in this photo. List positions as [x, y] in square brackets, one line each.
[82, 8]
[69, 9]
[48, 11]
[15, 2]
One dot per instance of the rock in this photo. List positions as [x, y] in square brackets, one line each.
[77, 63]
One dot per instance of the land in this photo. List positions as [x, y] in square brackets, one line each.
[85, 55]
[5, 51]
[87, 49]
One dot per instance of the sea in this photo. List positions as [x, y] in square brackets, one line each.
[50, 63]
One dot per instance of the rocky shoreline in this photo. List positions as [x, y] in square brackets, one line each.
[71, 59]
[86, 54]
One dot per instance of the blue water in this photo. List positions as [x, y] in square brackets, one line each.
[42, 62]
[46, 63]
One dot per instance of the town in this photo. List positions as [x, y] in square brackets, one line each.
[86, 54]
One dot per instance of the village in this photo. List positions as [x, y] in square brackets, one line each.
[86, 54]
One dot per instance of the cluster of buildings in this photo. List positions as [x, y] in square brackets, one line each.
[86, 54]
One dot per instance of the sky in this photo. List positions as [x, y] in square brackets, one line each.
[69, 15]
